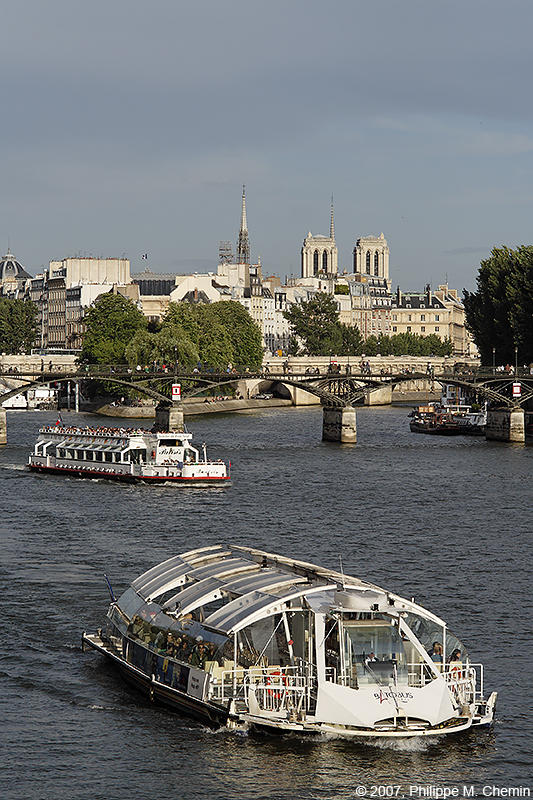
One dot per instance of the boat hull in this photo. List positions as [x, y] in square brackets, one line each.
[436, 430]
[158, 692]
[212, 715]
[76, 472]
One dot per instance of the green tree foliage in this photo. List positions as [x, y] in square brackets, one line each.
[316, 323]
[222, 332]
[17, 325]
[352, 341]
[341, 288]
[371, 346]
[407, 344]
[186, 318]
[111, 323]
[215, 346]
[244, 334]
[165, 347]
[499, 314]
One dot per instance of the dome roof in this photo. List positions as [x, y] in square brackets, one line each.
[11, 269]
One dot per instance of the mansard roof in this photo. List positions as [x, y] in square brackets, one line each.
[417, 300]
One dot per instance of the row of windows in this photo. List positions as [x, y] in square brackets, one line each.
[422, 317]
[409, 329]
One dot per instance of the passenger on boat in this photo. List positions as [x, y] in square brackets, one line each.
[137, 626]
[456, 665]
[436, 653]
[371, 657]
[198, 656]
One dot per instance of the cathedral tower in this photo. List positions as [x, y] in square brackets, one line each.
[319, 253]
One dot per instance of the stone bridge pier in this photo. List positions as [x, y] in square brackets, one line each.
[339, 424]
[169, 418]
[506, 425]
[3, 426]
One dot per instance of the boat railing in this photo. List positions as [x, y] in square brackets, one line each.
[274, 687]
[465, 681]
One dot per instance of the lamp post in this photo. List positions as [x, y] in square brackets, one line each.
[494, 361]
[516, 360]
[176, 361]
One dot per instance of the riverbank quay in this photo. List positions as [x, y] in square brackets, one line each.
[191, 407]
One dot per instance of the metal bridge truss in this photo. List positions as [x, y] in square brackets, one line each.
[332, 389]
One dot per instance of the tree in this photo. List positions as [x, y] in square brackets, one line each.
[111, 323]
[166, 346]
[244, 334]
[316, 323]
[222, 332]
[352, 341]
[17, 325]
[215, 346]
[185, 317]
[499, 314]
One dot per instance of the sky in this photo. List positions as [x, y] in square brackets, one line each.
[130, 127]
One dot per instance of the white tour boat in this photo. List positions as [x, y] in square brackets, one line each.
[124, 454]
[245, 638]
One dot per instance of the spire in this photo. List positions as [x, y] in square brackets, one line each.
[243, 243]
[244, 226]
[332, 224]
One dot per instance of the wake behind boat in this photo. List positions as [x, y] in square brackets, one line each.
[245, 638]
[124, 454]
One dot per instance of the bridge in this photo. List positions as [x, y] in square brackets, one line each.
[337, 392]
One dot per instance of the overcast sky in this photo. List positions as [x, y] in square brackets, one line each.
[130, 127]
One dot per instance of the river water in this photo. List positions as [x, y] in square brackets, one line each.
[447, 520]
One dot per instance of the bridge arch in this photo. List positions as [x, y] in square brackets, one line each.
[77, 377]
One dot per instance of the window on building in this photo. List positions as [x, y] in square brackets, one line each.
[394, 328]
[408, 329]
[368, 262]
[315, 261]
[423, 328]
[422, 317]
[395, 316]
[409, 317]
[436, 317]
[376, 263]
[325, 261]
[436, 328]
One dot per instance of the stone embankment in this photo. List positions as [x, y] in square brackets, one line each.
[191, 407]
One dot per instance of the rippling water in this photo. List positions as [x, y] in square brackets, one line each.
[447, 520]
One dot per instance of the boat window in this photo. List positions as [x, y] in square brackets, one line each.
[426, 631]
[184, 640]
[169, 443]
[373, 653]
[452, 645]
[130, 602]
[263, 643]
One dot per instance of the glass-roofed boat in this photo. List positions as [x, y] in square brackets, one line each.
[246, 638]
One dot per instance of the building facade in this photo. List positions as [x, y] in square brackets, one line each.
[440, 313]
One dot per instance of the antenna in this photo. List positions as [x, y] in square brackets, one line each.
[342, 573]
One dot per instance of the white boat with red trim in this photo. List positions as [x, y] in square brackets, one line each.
[125, 454]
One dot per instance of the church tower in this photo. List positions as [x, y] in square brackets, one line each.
[319, 253]
[371, 258]
[243, 242]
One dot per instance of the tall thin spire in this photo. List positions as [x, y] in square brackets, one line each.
[243, 243]
[331, 224]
